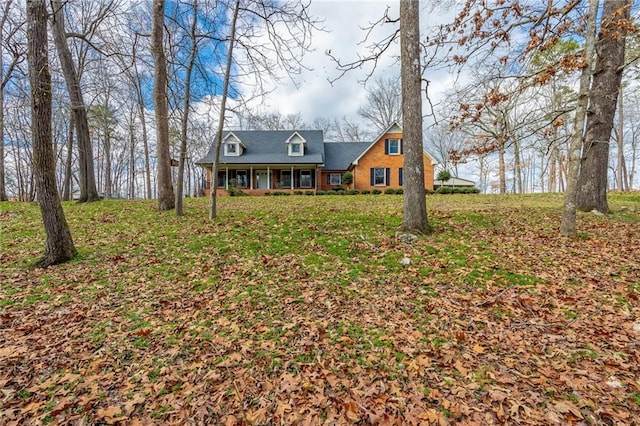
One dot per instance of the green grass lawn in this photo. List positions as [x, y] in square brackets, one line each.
[297, 309]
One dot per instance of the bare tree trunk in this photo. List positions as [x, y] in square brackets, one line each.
[517, 166]
[132, 156]
[607, 75]
[621, 175]
[568, 222]
[135, 77]
[3, 189]
[185, 112]
[415, 203]
[88, 190]
[59, 246]
[502, 170]
[166, 200]
[213, 206]
[66, 185]
[4, 79]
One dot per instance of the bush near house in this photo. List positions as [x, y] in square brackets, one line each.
[457, 190]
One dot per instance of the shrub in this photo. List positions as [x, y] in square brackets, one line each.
[389, 191]
[353, 192]
[336, 192]
[281, 193]
[235, 191]
[455, 190]
[320, 193]
[429, 191]
[376, 191]
[347, 178]
[267, 193]
[308, 193]
[297, 192]
[399, 191]
[365, 192]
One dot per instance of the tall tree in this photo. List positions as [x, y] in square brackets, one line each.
[166, 199]
[607, 75]
[88, 188]
[5, 75]
[568, 223]
[59, 246]
[186, 107]
[415, 205]
[213, 206]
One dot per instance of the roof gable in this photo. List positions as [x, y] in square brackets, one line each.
[393, 128]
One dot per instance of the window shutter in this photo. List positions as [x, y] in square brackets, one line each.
[388, 176]
[373, 171]
[328, 178]
[401, 148]
[386, 147]
[400, 177]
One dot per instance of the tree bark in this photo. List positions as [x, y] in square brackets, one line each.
[185, 113]
[88, 189]
[415, 203]
[67, 194]
[607, 75]
[59, 246]
[4, 78]
[568, 227]
[213, 205]
[166, 200]
[502, 167]
[621, 175]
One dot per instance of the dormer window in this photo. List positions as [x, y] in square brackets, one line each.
[295, 145]
[233, 147]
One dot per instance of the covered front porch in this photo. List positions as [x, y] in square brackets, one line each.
[260, 179]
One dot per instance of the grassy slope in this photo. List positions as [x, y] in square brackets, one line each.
[297, 308]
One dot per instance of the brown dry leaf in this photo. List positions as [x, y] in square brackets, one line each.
[565, 407]
[257, 417]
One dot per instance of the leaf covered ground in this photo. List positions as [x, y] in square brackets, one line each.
[298, 310]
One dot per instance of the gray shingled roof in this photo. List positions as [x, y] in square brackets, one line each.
[269, 147]
[340, 155]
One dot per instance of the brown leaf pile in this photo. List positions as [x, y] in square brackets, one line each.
[497, 320]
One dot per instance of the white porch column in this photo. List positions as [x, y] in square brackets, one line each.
[251, 178]
[226, 180]
[268, 178]
[292, 180]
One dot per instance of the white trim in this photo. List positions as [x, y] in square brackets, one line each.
[384, 176]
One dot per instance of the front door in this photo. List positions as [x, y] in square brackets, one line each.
[262, 181]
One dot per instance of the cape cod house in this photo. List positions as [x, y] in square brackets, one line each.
[288, 160]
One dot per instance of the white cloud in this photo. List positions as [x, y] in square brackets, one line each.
[311, 93]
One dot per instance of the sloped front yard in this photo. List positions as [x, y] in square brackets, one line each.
[298, 310]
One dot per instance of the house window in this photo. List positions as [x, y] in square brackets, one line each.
[393, 146]
[242, 179]
[285, 178]
[222, 179]
[231, 149]
[305, 178]
[335, 179]
[379, 176]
